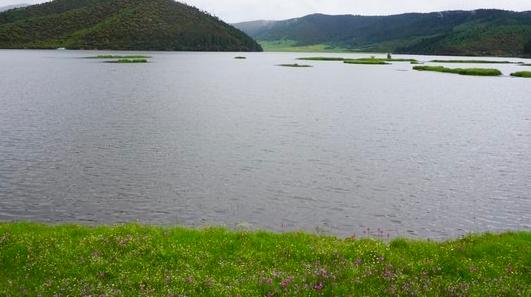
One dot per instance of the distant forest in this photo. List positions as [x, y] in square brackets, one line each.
[479, 32]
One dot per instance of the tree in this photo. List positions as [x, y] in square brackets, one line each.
[527, 48]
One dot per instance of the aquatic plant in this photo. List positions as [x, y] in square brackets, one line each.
[472, 61]
[132, 260]
[127, 61]
[526, 74]
[461, 71]
[365, 61]
[369, 60]
[322, 59]
[401, 60]
[295, 65]
[121, 57]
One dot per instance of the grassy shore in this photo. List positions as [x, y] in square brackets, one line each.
[291, 46]
[461, 71]
[526, 74]
[134, 260]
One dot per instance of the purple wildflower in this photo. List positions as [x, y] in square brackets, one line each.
[318, 287]
[286, 282]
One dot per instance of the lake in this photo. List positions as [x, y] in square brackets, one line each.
[201, 139]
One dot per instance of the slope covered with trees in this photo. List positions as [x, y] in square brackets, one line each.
[119, 25]
[479, 32]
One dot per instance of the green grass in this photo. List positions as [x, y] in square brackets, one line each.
[291, 46]
[240, 58]
[121, 57]
[526, 74]
[134, 260]
[461, 71]
[128, 61]
[295, 65]
[471, 61]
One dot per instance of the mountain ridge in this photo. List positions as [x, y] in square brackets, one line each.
[119, 25]
[457, 32]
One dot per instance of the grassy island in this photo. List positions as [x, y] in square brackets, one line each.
[461, 71]
[134, 260]
[366, 61]
[322, 59]
[128, 61]
[295, 65]
[471, 62]
[121, 57]
[401, 60]
[526, 74]
[377, 61]
[370, 60]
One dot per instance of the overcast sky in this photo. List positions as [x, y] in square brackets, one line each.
[245, 10]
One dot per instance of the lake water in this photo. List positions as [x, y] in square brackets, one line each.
[203, 139]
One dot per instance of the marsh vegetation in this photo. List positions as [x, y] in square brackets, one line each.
[472, 61]
[461, 71]
[367, 61]
[295, 65]
[121, 57]
[322, 59]
[525, 74]
[128, 61]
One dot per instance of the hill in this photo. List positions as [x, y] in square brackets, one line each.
[119, 25]
[479, 32]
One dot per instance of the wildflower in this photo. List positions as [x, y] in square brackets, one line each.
[318, 287]
[286, 282]
[388, 274]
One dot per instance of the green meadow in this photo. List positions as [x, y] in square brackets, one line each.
[136, 260]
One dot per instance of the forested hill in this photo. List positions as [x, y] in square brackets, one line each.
[119, 25]
[479, 32]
